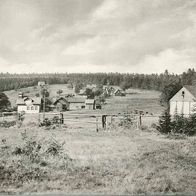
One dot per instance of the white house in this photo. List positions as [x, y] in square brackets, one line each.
[184, 101]
[29, 105]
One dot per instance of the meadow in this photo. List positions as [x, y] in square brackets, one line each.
[74, 158]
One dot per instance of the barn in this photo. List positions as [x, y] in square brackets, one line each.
[76, 103]
[29, 105]
[61, 104]
[184, 101]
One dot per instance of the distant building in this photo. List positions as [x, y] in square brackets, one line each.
[76, 103]
[98, 104]
[184, 101]
[90, 104]
[60, 105]
[41, 83]
[29, 105]
[119, 92]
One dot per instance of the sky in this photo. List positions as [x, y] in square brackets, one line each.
[127, 36]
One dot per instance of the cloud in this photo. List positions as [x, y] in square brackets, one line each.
[99, 35]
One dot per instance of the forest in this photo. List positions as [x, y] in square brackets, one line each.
[144, 81]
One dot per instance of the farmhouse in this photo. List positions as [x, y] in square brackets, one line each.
[90, 104]
[60, 104]
[76, 103]
[184, 101]
[29, 105]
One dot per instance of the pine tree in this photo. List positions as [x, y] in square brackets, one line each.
[165, 122]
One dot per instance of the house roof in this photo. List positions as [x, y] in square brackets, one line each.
[61, 100]
[90, 101]
[191, 89]
[76, 100]
[22, 101]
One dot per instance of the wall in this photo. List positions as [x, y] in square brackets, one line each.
[30, 109]
[185, 107]
[76, 106]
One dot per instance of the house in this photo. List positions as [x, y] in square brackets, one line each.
[82, 92]
[90, 104]
[41, 83]
[28, 105]
[60, 105]
[184, 101]
[76, 103]
[108, 90]
[119, 92]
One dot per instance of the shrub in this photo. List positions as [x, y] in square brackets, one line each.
[7, 124]
[178, 125]
[164, 123]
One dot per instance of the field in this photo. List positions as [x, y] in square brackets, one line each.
[74, 158]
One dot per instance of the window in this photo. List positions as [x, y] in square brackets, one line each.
[36, 108]
[28, 107]
[32, 108]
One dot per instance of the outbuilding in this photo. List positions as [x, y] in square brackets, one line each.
[90, 104]
[76, 103]
[184, 101]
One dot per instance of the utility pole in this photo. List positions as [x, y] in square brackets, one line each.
[44, 105]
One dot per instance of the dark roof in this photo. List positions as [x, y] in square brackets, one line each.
[61, 100]
[22, 101]
[76, 100]
[191, 89]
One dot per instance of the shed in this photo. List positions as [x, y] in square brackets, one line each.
[184, 101]
[76, 103]
[90, 104]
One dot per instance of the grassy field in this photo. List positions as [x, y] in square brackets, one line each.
[74, 158]
[114, 161]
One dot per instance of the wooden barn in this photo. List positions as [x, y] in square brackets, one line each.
[61, 104]
[76, 103]
[184, 101]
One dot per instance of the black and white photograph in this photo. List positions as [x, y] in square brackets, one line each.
[97, 97]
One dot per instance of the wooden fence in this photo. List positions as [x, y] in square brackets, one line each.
[96, 121]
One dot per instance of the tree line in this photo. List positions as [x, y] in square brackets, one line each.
[124, 80]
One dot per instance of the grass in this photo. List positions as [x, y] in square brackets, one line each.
[122, 161]
[74, 158]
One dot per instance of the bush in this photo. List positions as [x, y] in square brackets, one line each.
[165, 123]
[178, 125]
[7, 124]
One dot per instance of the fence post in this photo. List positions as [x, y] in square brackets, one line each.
[97, 128]
[104, 121]
[140, 120]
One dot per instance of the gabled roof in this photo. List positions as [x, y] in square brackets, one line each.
[22, 101]
[61, 100]
[76, 100]
[191, 89]
[90, 101]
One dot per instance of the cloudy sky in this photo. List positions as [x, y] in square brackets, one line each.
[143, 36]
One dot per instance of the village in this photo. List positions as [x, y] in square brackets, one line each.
[97, 97]
[66, 102]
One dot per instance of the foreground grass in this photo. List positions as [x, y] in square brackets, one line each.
[108, 162]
